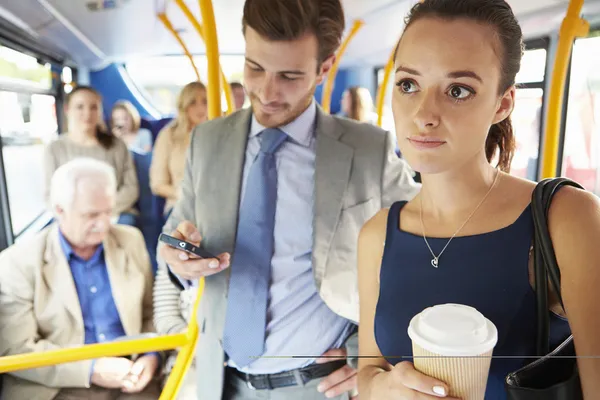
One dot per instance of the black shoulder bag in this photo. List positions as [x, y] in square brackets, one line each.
[554, 376]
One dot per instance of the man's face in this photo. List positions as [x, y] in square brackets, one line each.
[239, 97]
[86, 222]
[281, 76]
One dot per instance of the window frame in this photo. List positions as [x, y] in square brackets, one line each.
[7, 235]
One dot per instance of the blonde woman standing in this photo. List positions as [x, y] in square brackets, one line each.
[168, 160]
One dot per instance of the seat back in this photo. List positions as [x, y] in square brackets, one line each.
[150, 206]
[155, 126]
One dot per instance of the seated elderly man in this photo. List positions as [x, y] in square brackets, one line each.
[80, 281]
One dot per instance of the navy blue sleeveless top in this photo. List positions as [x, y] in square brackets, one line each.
[487, 271]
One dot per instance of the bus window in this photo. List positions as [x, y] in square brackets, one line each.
[27, 121]
[582, 135]
[161, 78]
[527, 114]
[526, 119]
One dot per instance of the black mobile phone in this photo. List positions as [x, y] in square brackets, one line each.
[185, 246]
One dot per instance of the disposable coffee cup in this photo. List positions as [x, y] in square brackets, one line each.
[454, 343]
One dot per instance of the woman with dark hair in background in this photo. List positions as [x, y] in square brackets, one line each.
[466, 238]
[87, 136]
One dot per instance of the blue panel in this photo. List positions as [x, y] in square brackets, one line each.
[114, 84]
[340, 84]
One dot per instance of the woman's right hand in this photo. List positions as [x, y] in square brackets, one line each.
[404, 382]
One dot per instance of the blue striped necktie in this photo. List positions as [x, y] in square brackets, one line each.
[245, 321]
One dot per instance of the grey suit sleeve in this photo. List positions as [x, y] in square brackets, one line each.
[397, 182]
[183, 209]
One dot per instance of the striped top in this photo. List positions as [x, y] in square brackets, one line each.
[172, 306]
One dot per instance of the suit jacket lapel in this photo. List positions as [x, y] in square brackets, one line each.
[58, 276]
[332, 173]
[225, 185]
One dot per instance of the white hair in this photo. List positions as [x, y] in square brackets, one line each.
[63, 185]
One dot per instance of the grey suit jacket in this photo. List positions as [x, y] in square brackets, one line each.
[356, 174]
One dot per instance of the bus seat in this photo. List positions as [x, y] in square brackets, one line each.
[150, 206]
[155, 126]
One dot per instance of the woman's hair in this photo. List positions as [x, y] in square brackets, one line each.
[498, 15]
[361, 103]
[184, 100]
[129, 109]
[104, 136]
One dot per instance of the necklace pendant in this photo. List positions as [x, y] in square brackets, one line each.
[434, 262]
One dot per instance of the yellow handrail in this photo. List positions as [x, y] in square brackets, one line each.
[226, 88]
[114, 349]
[572, 26]
[387, 72]
[326, 98]
[212, 56]
[165, 20]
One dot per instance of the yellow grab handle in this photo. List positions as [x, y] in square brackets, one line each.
[572, 26]
[200, 30]
[165, 20]
[326, 98]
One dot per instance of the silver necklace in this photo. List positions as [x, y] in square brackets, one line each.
[435, 260]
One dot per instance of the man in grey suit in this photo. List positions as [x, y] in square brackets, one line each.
[281, 191]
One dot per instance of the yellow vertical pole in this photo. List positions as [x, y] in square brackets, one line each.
[572, 26]
[186, 354]
[226, 88]
[165, 20]
[326, 98]
[212, 56]
[387, 72]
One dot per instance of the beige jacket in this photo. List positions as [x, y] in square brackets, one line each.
[168, 163]
[39, 306]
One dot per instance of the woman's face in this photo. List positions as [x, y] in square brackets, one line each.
[122, 122]
[83, 111]
[197, 111]
[446, 95]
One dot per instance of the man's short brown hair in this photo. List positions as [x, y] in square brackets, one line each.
[290, 19]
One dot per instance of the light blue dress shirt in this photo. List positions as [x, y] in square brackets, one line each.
[299, 323]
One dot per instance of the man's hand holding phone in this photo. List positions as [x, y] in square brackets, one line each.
[187, 265]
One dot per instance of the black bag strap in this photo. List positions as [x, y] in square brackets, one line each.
[544, 258]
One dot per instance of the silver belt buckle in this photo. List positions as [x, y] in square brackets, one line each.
[249, 382]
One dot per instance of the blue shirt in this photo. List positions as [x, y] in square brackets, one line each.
[101, 319]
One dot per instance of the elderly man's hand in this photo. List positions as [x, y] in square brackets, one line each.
[141, 374]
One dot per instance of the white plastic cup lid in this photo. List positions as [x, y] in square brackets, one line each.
[453, 330]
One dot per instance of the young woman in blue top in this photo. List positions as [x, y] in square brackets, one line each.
[466, 237]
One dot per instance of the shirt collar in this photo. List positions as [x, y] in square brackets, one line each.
[301, 129]
[69, 252]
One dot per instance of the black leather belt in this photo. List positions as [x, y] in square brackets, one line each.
[287, 378]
